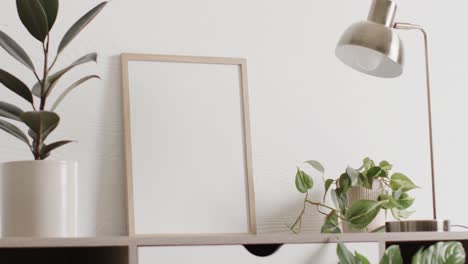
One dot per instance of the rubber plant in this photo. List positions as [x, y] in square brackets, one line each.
[38, 17]
[394, 196]
[440, 253]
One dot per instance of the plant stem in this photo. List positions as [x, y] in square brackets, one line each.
[299, 218]
[325, 206]
[46, 72]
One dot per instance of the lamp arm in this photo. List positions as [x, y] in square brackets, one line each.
[408, 26]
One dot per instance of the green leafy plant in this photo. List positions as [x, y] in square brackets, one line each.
[394, 196]
[440, 253]
[39, 16]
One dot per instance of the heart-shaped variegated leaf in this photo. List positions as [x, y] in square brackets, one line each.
[401, 181]
[362, 212]
[303, 181]
[392, 256]
[441, 253]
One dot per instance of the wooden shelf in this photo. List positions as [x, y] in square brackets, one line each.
[294, 239]
[64, 242]
[242, 239]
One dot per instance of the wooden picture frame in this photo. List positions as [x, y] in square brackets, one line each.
[128, 59]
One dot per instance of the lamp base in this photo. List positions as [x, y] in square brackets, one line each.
[418, 226]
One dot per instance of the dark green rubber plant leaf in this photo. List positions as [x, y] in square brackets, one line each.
[79, 26]
[33, 17]
[69, 89]
[15, 50]
[40, 122]
[392, 256]
[14, 131]
[46, 133]
[15, 85]
[51, 10]
[46, 149]
[441, 253]
[362, 212]
[10, 111]
[54, 78]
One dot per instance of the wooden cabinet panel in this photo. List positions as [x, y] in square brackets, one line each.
[291, 254]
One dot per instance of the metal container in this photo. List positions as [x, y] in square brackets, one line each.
[418, 226]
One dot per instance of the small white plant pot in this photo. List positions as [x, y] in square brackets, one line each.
[360, 193]
[39, 198]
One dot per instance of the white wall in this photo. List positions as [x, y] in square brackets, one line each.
[304, 103]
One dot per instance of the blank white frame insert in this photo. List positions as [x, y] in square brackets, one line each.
[187, 145]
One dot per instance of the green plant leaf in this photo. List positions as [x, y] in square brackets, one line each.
[399, 180]
[15, 50]
[45, 134]
[368, 163]
[441, 253]
[392, 256]
[385, 165]
[316, 165]
[344, 182]
[362, 212]
[331, 224]
[33, 17]
[69, 89]
[50, 8]
[303, 181]
[361, 258]
[374, 172]
[354, 175]
[417, 258]
[14, 131]
[364, 181]
[10, 111]
[40, 122]
[340, 199]
[344, 255]
[390, 202]
[46, 149]
[328, 184]
[401, 214]
[15, 85]
[54, 78]
[79, 26]
[404, 201]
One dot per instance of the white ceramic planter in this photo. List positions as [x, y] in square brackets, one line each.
[39, 198]
[360, 193]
